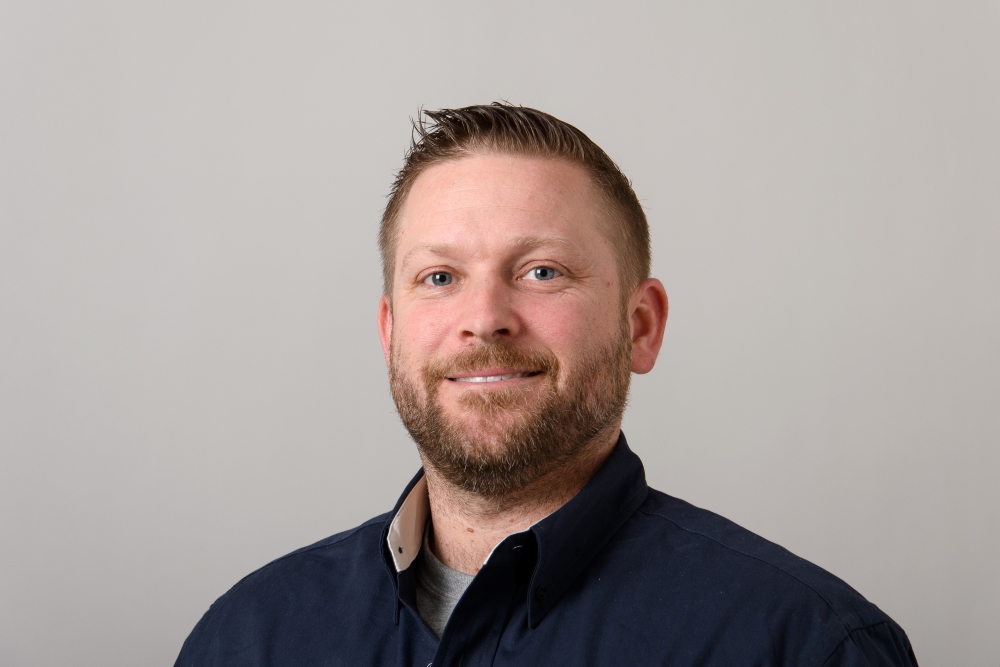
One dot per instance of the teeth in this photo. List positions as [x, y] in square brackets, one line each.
[493, 378]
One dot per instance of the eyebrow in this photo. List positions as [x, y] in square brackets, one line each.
[519, 243]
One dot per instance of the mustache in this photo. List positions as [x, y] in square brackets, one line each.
[491, 356]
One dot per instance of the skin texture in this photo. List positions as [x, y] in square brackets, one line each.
[490, 222]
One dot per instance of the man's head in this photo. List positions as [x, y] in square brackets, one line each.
[513, 312]
[503, 129]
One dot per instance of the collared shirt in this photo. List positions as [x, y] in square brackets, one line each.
[620, 575]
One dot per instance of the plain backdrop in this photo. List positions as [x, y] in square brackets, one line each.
[191, 382]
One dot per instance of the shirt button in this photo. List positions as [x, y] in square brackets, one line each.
[540, 593]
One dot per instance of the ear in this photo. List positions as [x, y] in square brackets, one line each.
[647, 319]
[385, 326]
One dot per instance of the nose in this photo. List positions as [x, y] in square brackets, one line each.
[488, 312]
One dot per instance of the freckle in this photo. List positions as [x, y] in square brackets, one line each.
[470, 530]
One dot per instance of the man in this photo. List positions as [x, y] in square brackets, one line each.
[517, 303]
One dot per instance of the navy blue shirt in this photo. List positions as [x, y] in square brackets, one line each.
[620, 575]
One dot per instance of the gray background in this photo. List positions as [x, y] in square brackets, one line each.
[190, 378]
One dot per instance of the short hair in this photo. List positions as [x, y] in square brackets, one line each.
[504, 129]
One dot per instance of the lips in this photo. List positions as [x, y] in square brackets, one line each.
[497, 365]
[494, 378]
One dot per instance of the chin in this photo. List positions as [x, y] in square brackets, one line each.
[476, 425]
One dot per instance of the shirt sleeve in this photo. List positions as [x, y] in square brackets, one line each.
[880, 645]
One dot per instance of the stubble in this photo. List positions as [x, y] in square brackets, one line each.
[512, 437]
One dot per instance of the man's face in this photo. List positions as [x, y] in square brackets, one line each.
[507, 342]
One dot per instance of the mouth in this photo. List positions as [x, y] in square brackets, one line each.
[494, 376]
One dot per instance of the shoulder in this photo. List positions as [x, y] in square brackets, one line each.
[746, 586]
[343, 553]
[318, 585]
[748, 553]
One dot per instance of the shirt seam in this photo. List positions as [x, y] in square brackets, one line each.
[822, 597]
[848, 637]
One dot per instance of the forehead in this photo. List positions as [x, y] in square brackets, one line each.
[480, 199]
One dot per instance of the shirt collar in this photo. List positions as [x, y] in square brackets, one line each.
[567, 540]
[570, 538]
[406, 530]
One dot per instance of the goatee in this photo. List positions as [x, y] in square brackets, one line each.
[517, 436]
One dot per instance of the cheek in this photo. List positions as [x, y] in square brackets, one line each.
[567, 325]
[420, 330]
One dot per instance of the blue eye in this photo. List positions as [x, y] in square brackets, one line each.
[439, 279]
[542, 273]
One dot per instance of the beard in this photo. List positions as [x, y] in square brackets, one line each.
[513, 436]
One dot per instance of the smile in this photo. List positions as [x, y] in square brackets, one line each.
[494, 378]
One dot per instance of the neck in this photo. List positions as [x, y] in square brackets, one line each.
[468, 526]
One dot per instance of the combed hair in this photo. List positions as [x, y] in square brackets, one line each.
[505, 129]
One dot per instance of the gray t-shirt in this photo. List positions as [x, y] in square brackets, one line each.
[438, 586]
